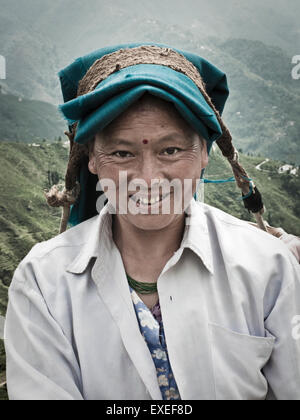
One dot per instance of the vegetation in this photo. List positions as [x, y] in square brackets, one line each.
[3, 393]
[25, 217]
[281, 192]
[25, 120]
[262, 110]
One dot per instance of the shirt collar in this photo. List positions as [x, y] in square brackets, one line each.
[196, 235]
[98, 234]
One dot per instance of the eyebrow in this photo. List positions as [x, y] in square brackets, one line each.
[120, 142]
[172, 136]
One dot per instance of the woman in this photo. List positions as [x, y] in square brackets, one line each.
[159, 296]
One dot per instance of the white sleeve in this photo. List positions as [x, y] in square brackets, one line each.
[283, 322]
[41, 363]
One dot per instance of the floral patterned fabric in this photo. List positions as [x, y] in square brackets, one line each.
[151, 327]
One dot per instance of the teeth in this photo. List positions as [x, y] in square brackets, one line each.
[153, 200]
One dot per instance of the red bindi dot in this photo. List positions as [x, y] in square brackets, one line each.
[145, 141]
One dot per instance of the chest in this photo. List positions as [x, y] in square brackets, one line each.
[149, 300]
[207, 328]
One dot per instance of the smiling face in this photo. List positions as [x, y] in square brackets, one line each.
[150, 141]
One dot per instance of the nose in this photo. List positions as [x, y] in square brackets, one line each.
[149, 169]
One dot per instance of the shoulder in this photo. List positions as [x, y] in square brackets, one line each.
[74, 237]
[57, 253]
[242, 240]
[229, 224]
[250, 257]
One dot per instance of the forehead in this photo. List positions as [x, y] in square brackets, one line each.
[150, 117]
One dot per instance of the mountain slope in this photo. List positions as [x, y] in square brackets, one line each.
[32, 59]
[281, 192]
[263, 107]
[25, 120]
[25, 217]
[275, 22]
[262, 110]
[38, 38]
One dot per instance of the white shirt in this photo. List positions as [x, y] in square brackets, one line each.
[229, 297]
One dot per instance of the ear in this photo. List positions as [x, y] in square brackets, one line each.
[92, 164]
[92, 160]
[204, 155]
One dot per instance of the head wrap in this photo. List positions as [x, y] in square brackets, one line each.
[98, 87]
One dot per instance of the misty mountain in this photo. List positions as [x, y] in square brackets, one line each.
[39, 38]
[26, 120]
[67, 23]
[32, 59]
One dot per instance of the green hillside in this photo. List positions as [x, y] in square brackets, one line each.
[25, 218]
[263, 107]
[26, 120]
[281, 192]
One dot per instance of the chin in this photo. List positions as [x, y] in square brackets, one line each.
[152, 221]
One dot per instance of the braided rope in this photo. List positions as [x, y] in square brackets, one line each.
[60, 196]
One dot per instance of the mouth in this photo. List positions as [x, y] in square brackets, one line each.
[148, 201]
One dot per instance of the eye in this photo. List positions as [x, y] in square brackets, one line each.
[122, 154]
[171, 151]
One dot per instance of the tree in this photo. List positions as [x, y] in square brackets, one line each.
[53, 178]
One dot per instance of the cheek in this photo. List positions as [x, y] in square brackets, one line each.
[108, 171]
[106, 167]
[190, 166]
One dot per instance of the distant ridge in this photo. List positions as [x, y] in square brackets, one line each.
[28, 120]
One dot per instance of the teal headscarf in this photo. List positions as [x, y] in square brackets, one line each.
[95, 110]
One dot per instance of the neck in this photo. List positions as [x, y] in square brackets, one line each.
[147, 244]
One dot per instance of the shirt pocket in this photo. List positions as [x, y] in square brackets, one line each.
[238, 360]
